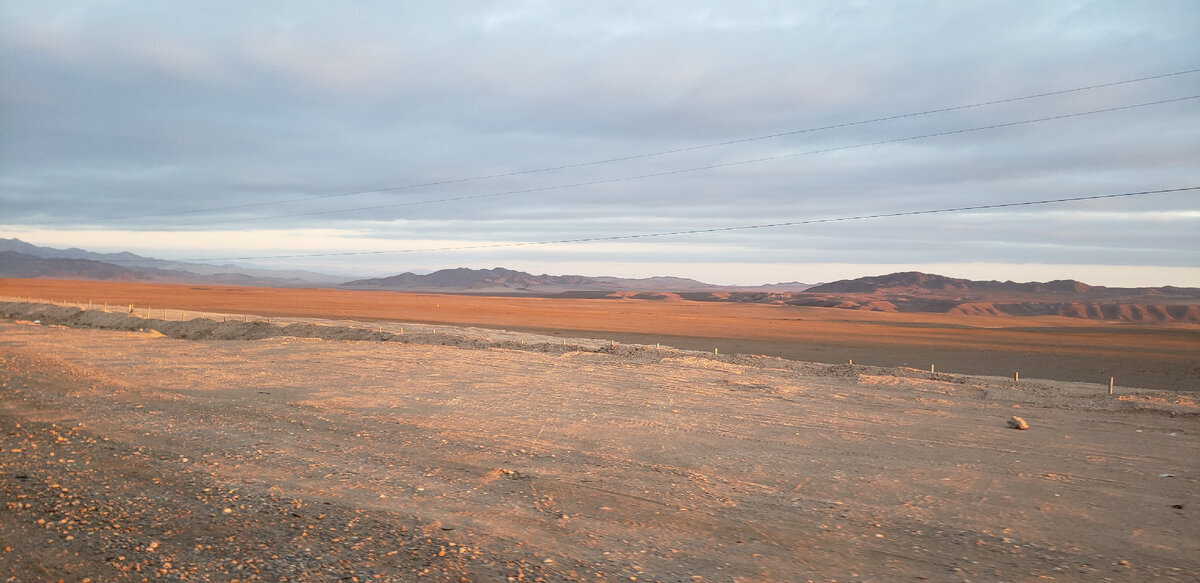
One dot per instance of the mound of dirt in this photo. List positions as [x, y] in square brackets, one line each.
[210, 329]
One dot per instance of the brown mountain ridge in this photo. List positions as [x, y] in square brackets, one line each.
[503, 281]
[908, 291]
[913, 291]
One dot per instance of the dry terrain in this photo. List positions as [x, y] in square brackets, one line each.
[304, 449]
[1163, 355]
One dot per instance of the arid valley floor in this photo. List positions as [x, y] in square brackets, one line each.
[411, 440]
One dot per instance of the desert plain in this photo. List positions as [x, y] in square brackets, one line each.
[254, 434]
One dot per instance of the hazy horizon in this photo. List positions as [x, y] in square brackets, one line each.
[1119, 276]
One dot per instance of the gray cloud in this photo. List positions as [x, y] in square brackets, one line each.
[133, 116]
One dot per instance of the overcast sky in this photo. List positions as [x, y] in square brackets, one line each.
[212, 130]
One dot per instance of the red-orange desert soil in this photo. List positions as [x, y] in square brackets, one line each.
[1148, 355]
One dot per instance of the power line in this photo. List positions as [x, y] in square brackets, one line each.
[665, 152]
[705, 167]
[980, 207]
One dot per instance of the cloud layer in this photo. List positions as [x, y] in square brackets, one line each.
[140, 117]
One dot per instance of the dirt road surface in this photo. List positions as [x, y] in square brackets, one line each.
[129, 456]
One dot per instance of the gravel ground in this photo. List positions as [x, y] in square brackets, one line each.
[130, 456]
[79, 507]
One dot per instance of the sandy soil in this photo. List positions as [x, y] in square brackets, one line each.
[1161, 356]
[134, 456]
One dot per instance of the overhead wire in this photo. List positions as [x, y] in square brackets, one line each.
[796, 223]
[980, 207]
[701, 168]
[655, 153]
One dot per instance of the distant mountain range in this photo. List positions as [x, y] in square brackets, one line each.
[896, 292]
[913, 283]
[925, 283]
[922, 292]
[508, 281]
[19, 259]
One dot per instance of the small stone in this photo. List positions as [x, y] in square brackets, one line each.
[1017, 423]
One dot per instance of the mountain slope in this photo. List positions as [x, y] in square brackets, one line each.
[21, 265]
[20, 259]
[501, 280]
[917, 282]
[923, 292]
